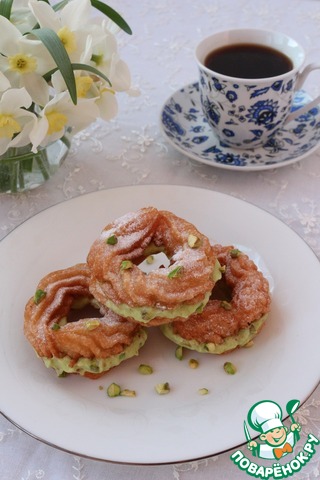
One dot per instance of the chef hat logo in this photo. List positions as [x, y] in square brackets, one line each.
[265, 416]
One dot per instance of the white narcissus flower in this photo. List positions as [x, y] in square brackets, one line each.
[91, 87]
[68, 22]
[74, 27]
[103, 95]
[107, 104]
[60, 114]
[16, 123]
[4, 82]
[24, 61]
[120, 77]
[106, 59]
[22, 17]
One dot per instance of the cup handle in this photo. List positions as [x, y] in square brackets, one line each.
[300, 81]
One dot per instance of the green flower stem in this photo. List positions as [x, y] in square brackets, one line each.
[21, 177]
[18, 161]
[19, 166]
[66, 140]
[14, 176]
[42, 161]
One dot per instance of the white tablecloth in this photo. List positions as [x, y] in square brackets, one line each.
[131, 150]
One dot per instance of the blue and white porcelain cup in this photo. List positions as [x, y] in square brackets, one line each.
[245, 113]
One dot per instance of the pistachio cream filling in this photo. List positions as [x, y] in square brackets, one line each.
[95, 365]
[145, 314]
[244, 336]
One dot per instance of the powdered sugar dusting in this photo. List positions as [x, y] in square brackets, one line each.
[146, 230]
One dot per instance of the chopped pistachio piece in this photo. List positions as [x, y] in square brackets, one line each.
[235, 252]
[150, 259]
[113, 390]
[203, 391]
[112, 240]
[229, 368]
[162, 388]
[193, 241]
[92, 324]
[100, 387]
[145, 369]
[126, 265]
[179, 352]
[222, 268]
[94, 368]
[216, 273]
[176, 272]
[226, 305]
[193, 363]
[55, 326]
[249, 344]
[63, 321]
[38, 296]
[128, 393]
[63, 374]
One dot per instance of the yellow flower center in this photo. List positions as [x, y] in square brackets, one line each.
[68, 39]
[8, 126]
[83, 86]
[57, 121]
[22, 63]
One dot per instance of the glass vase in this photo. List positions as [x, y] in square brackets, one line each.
[21, 169]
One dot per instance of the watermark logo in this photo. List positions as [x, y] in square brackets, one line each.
[275, 441]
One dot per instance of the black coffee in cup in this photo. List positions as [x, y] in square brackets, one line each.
[248, 60]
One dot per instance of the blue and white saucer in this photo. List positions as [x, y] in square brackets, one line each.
[187, 129]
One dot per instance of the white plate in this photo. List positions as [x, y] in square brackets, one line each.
[187, 129]
[73, 414]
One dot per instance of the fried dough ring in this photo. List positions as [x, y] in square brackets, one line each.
[154, 297]
[227, 323]
[86, 345]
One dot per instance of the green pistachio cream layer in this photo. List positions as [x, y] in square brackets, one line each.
[241, 339]
[145, 314]
[96, 365]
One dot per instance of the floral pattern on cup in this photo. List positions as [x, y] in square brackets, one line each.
[187, 128]
[221, 103]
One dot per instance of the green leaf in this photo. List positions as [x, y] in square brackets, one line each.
[112, 14]
[56, 48]
[103, 8]
[5, 8]
[89, 68]
[59, 5]
[79, 66]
